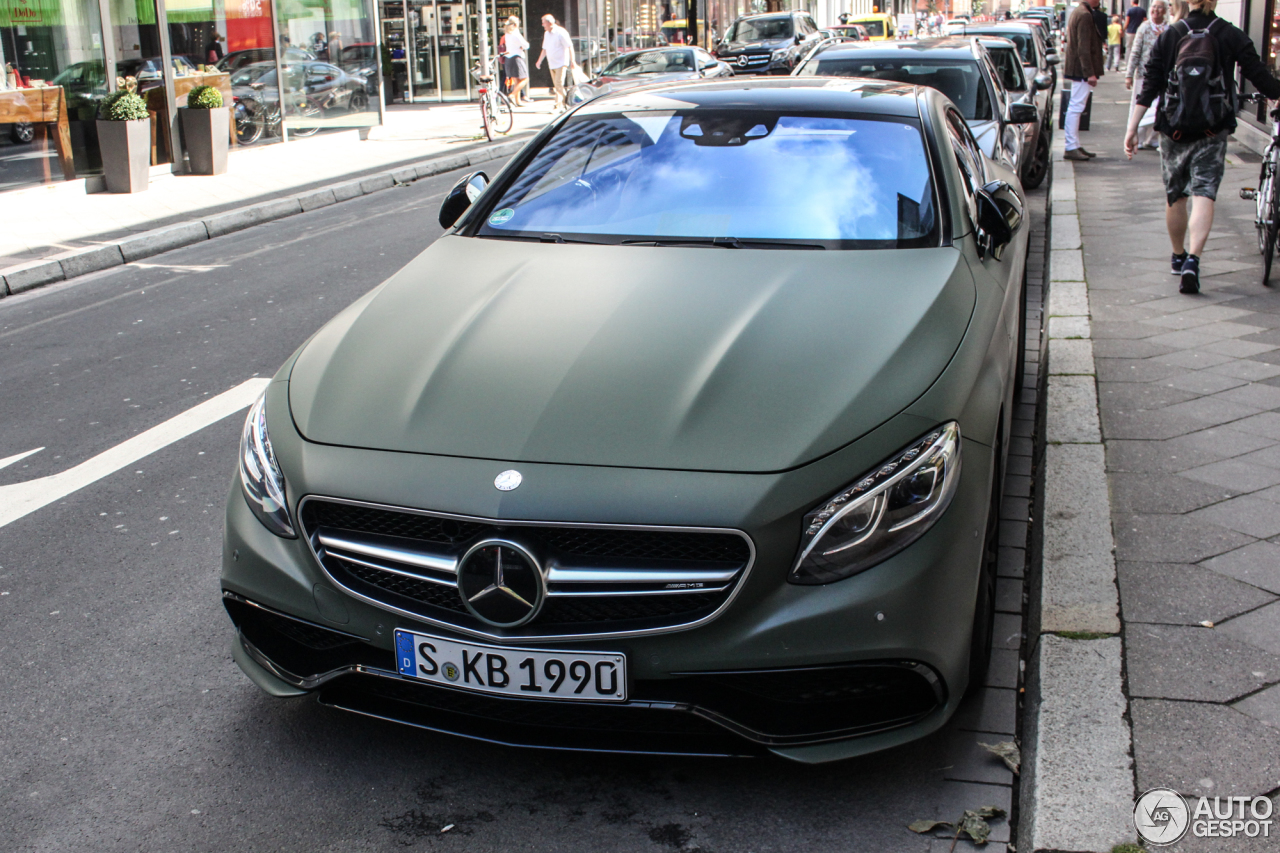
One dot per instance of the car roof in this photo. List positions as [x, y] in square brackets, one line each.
[820, 94]
[769, 15]
[996, 41]
[935, 48]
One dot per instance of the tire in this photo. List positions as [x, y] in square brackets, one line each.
[1269, 242]
[359, 102]
[984, 609]
[22, 132]
[307, 111]
[503, 118]
[1039, 165]
[1263, 201]
[486, 119]
[249, 126]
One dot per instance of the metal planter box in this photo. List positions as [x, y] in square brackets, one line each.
[126, 154]
[206, 134]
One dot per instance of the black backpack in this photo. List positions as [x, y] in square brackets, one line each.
[1199, 97]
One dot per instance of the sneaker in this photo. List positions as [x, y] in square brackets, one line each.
[1075, 154]
[1190, 275]
[1177, 261]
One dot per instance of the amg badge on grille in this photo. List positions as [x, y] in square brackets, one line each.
[508, 480]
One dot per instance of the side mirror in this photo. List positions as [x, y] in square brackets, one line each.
[462, 196]
[1051, 57]
[1023, 114]
[999, 216]
[1042, 81]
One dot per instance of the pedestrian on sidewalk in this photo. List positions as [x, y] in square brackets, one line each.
[515, 62]
[1115, 40]
[1083, 68]
[1134, 18]
[1192, 65]
[1143, 41]
[557, 50]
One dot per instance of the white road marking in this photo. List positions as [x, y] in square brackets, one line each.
[22, 499]
[5, 463]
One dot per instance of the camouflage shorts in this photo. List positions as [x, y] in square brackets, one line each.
[1193, 168]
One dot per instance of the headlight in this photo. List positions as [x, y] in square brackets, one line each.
[883, 512]
[780, 54]
[260, 475]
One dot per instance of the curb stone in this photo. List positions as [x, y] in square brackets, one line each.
[24, 277]
[1077, 785]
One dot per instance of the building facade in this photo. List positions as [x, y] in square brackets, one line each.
[60, 58]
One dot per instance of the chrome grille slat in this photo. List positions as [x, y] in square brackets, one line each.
[602, 580]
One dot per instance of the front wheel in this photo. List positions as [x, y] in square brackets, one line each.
[249, 126]
[22, 132]
[1039, 165]
[1262, 198]
[499, 114]
[1272, 224]
[308, 123]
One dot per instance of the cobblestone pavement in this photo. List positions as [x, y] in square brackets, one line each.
[1189, 388]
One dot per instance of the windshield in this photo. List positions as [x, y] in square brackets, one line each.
[875, 29]
[740, 175]
[264, 73]
[958, 79]
[761, 29]
[1026, 51]
[650, 62]
[1006, 61]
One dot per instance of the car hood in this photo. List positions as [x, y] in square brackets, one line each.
[652, 357]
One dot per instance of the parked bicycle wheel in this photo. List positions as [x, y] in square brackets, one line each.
[1262, 198]
[307, 121]
[249, 124]
[500, 115]
[1272, 223]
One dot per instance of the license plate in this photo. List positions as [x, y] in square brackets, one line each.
[527, 673]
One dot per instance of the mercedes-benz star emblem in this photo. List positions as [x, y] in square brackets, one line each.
[501, 583]
[742, 61]
[508, 480]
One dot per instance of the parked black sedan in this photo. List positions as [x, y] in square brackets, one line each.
[663, 65]
[959, 68]
[1024, 90]
[769, 44]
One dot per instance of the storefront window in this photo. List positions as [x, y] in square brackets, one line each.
[338, 85]
[52, 59]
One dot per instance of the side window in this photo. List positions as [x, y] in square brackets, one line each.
[967, 158]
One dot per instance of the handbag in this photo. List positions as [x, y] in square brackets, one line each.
[1150, 117]
[577, 74]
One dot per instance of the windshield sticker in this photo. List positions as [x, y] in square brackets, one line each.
[501, 216]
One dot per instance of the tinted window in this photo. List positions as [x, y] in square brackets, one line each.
[958, 79]
[704, 174]
[1025, 43]
[875, 29]
[761, 29]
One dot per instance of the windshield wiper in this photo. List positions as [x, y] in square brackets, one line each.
[725, 243]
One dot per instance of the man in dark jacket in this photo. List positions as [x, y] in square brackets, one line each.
[1192, 165]
[1083, 68]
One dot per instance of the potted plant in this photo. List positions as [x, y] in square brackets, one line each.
[124, 137]
[206, 131]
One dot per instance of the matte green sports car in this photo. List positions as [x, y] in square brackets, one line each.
[686, 438]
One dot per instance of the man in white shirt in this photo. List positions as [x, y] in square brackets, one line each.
[557, 50]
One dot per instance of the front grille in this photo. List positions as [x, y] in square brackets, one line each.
[600, 580]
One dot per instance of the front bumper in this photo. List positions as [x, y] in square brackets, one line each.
[811, 673]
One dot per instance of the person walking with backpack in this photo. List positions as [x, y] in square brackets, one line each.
[1192, 70]
[1083, 68]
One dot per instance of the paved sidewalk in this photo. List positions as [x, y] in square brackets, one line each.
[49, 220]
[1189, 392]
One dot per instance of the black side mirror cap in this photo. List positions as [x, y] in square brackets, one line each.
[1043, 81]
[999, 216]
[1023, 114]
[461, 197]
[1051, 58]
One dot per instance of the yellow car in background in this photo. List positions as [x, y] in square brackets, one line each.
[879, 27]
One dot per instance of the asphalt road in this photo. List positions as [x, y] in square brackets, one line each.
[124, 723]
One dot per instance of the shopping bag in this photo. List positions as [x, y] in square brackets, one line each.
[1150, 117]
[579, 76]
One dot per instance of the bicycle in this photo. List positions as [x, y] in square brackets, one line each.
[257, 117]
[1266, 195]
[496, 112]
